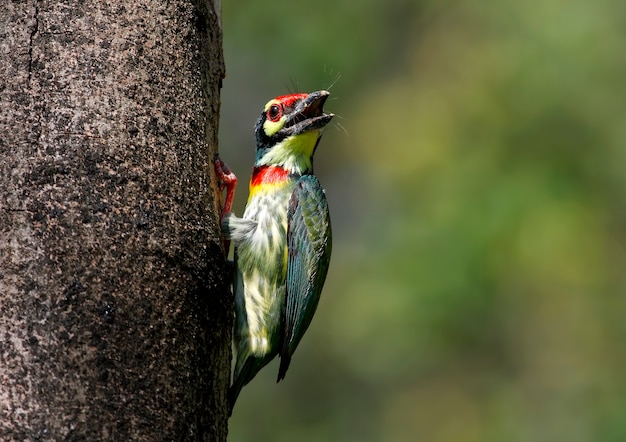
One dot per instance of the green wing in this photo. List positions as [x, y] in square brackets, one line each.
[309, 243]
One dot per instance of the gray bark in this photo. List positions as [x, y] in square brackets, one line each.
[115, 312]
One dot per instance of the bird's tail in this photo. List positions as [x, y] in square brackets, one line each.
[285, 360]
[242, 376]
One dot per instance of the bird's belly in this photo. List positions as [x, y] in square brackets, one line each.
[262, 269]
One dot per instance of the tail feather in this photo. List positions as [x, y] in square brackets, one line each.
[243, 376]
[285, 360]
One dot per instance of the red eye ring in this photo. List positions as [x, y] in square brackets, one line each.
[275, 112]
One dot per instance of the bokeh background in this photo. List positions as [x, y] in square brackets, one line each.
[476, 178]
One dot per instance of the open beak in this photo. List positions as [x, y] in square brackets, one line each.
[308, 115]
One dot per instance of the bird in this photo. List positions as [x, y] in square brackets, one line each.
[283, 241]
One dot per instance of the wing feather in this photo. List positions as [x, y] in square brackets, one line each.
[309, 243]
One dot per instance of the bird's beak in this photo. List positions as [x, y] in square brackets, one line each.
[308, 114]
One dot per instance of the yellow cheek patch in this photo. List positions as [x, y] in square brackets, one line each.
[271, 127]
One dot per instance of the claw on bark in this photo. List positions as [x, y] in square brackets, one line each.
[228, 180]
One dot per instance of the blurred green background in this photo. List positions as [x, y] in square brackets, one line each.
[477, 187]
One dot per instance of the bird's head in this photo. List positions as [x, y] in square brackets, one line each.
[289, 129]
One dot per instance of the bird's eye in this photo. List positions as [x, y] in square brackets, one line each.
[274, 112]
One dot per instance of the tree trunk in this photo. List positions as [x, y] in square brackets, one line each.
[115, 312]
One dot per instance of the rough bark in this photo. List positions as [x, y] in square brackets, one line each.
[115, 313]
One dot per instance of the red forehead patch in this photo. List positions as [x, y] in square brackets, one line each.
[289, 100]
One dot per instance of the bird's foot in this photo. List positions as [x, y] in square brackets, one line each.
[228, 180]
